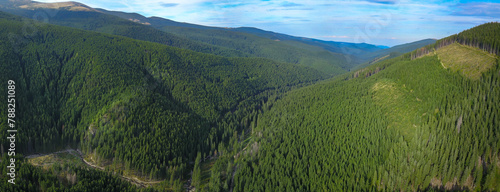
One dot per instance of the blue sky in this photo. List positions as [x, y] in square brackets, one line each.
[381, 22]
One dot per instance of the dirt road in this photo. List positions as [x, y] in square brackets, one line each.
[79, 154]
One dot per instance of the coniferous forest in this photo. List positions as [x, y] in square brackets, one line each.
[108, 104]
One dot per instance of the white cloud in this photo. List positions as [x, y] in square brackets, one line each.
[313, 18]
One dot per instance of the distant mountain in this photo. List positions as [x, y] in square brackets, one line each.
[354, 53]
[206, 40]
[94, 20]
[405, 48]
[327, 56]
[383, 46]
[244, 39]
[337, 47]
[392, 52]
[156, 22]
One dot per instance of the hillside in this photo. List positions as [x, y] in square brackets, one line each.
[200, 39]
[401, 124]
[284, 51]
[179, 27]
[94, 20]
[156, 22]
[469, 61]
[114, 101]
[130, 105]
[353, 54]
[330, 57]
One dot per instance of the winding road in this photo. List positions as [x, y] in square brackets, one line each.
[79, 154]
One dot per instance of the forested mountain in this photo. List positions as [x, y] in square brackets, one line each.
[142, 106]
[181, 106]
[178, 28]
[93, 20]
[213, 41]
[246, 38]
[353, 53]
[156, 22]
[285, 51]
[330, 57]
[402, 124]
[353, 49]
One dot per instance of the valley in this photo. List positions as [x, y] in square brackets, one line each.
[116, 101]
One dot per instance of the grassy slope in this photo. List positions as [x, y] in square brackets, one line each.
[471, 62]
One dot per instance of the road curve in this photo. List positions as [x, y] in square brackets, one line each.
[79, 154]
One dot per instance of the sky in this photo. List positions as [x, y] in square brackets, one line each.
[379, 22]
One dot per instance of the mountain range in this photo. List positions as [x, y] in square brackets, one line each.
[327, 56]
[115, 101]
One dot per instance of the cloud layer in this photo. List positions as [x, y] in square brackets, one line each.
[169, 4]
[386, 22]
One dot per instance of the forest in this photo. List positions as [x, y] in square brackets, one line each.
[400, 124]
[238, 115]
[141, 106]
[212, 41]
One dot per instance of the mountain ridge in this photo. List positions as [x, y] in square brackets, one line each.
[329, 63]
[346, 55]
[186, 108]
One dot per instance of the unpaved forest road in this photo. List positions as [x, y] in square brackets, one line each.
[78, 153]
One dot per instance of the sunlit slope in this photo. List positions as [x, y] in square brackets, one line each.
[401, 124]
[470, 61]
